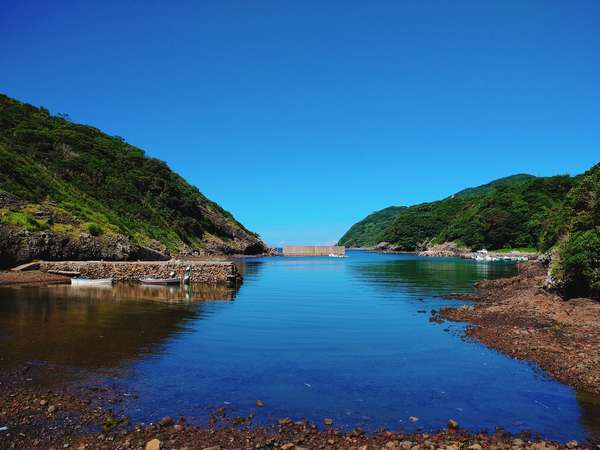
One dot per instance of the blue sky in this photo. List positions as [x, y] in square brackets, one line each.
[301, 117]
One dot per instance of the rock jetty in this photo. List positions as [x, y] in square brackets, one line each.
[202, 271]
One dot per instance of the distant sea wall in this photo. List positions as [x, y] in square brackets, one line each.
[314, 250]
[202, 271]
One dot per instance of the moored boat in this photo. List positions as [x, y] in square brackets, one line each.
[169, 281]
[160, 281]
[91, 281]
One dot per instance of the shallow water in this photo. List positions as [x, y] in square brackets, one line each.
[311, 337]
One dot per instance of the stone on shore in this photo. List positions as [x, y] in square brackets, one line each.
[154, 444]
[166, 421]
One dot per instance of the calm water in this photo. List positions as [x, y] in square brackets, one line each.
[311, 337]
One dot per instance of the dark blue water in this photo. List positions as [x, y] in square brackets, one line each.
[322, 337]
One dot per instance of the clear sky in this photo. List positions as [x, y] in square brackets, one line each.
[301, 117]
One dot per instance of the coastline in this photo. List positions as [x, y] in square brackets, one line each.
[89, 415]
[30, 278]
[520, 318]
[448, 249]
[513, 315]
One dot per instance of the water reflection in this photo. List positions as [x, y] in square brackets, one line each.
[434, 276]
[94, 326]
[312, 337]
[135, 291]
[589, 405]
[250, 267]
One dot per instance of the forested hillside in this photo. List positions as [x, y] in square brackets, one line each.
[559, 214]
[572, 231]
[69, 190]
[369, 231]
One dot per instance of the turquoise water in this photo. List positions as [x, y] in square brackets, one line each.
[346, 338]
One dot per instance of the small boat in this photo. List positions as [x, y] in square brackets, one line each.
[333, 255]
[169, 281]
[91, 281]
[161, 281]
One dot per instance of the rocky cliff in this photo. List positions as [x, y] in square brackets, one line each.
[69, 191]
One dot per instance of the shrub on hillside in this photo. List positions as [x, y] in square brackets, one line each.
[94, 229]
[578, 266]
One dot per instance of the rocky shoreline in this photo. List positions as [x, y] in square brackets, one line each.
[519, 317]
[89, 415]
[30, 277]
[516, 316]
[451, 249]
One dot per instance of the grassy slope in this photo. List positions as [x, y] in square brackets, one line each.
[101, 182]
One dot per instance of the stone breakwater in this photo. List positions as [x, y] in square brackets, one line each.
[202, 271]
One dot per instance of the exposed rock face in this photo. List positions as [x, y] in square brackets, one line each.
[387, 247]
[70, 191]
[445, 249]
[382, 246]
[241, 243]
[18, 246]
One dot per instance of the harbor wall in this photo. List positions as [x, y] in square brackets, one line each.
[202, 271]
[314, 250]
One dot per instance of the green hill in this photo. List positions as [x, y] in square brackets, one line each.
[560, 213]
[70, 191]
[510, 212]
[504, 213]
[369, 231]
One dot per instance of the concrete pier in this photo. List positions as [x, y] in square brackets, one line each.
[202, 271]
[314, 250]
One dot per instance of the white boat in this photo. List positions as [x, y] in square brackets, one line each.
[333, 255]
[169, 281]
[91, 281]
[160, 281]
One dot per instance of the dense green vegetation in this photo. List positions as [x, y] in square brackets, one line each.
[559, 214]
[100, 184]
[575, 229]
[509, 212]
[369, 231]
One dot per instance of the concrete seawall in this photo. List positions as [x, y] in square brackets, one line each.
[314, 250]
[202, 271]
